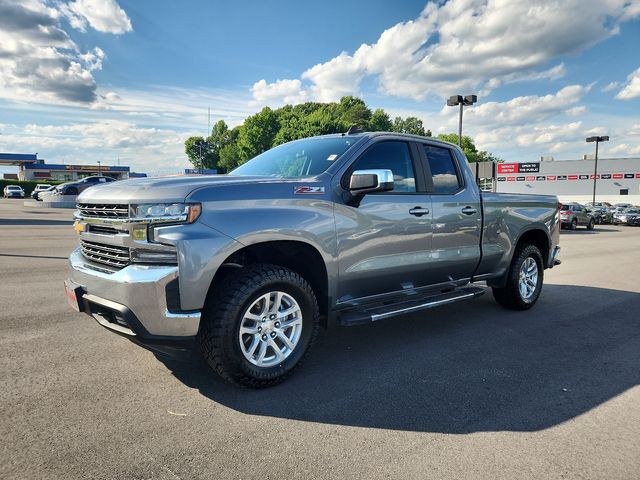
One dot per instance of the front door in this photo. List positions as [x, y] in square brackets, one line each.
[384, 242]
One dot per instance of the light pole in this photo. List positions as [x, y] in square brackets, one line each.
[595, 168]
[463, 102]
[99, 170]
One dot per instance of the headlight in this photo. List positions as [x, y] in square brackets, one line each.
[167, 212]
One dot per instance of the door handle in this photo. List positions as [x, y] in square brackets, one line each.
[469, 210]
[419, 211]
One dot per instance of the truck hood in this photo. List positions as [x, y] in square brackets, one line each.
[165, 190]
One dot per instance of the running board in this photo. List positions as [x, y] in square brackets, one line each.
[357, 317]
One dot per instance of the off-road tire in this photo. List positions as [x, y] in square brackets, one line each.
[509, 296]
[222, 315]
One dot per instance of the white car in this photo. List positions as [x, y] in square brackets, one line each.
[41, 187]
[13, 191]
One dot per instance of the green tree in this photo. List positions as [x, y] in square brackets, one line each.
[257, 134]
[229, 152]
[199, 153]
[218, 136]
[353, 111]
[412, 125]
[469, 148]
[380, 121]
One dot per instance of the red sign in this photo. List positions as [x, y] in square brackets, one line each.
[591, 176]
[511, 179]
[618, 175]
[551, 177]
[507, 168]
[42, 174]
[572, 177]
[531, 179]
[637, 175]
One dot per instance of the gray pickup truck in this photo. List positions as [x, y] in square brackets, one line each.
[339, 229]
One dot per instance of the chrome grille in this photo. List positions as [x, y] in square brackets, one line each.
[103, 210]
[112, 255]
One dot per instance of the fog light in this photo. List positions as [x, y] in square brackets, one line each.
[150, 256]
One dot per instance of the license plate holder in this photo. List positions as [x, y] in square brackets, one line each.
[74, 295]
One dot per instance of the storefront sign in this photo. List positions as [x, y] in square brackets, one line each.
[532, 167]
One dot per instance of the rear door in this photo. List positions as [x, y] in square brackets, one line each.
[457, 215]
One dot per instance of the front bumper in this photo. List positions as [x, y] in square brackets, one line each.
[132, 301]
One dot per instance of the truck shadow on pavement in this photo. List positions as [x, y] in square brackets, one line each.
[584, 231]
[34, 222]
[463, 368]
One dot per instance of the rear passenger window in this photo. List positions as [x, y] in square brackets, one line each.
[443, 169]
[392, 156]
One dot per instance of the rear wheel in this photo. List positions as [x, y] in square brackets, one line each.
[524, 280]
[574, 224]
[591, 225]
[259, 326]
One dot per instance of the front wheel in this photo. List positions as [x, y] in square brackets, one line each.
[524, 280]
[258, 327]
[591, 225]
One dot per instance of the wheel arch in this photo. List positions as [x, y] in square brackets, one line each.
[299, 256]
[535, 235]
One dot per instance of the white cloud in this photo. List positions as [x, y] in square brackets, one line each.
[281, 91]
[103, 15]
[101, 140]
[577, 111]
[610, 86]
[470, 45]
[632, 89]
[624, 149]
[39, 61]
[524, 110]
[548, 134]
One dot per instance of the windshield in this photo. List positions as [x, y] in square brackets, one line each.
[301, 158]
[12, 187]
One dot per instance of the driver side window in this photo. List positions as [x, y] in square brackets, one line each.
[394, 156]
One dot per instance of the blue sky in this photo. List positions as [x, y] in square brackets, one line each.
[88, 80]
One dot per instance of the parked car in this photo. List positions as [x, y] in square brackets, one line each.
[601, 214]
[598, 204]
[74, 188]
[573, 215]
[13, 191]
[41, 187]
[339, 229]
[629, 216]
[620, 207]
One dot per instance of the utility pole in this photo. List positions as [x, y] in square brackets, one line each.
[463, 102]
[595, 168]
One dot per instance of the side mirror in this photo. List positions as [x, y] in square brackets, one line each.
[368, 181]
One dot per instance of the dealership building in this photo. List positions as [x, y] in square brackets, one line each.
[617, 180]
[30, 167]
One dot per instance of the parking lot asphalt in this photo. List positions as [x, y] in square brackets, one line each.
[466, 391]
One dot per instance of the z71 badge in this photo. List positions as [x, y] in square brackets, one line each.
[307, 190]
